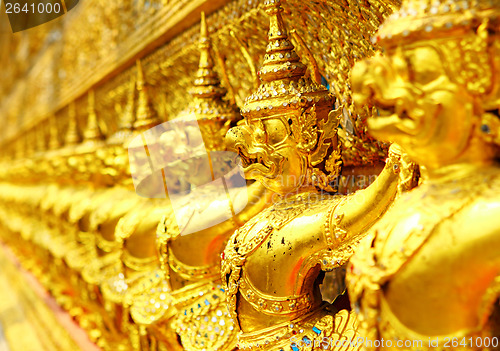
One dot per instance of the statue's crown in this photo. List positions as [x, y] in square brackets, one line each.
[208, 94]
[434, 18]
[147, 115]
[284, 87]
[213, 114]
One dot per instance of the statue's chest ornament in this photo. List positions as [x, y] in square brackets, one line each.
[417, 221]
[166, 233]
[400, 235]
[246, 241]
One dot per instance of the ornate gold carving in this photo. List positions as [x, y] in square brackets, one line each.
[90, 239]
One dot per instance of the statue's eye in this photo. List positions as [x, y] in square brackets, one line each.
[277, 130]
[424, 66]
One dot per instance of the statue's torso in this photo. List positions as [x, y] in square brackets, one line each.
[428, 265]
[271, 268]
[189, 299]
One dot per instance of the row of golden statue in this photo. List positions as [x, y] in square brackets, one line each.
[417, 252]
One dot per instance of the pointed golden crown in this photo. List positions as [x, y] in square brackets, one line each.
[207, 83]
[207, 92]
[214, 115]
[73, 136]
[127, 119]
[92, 131]
[434, 18]
[285, 87]
[147, 116]
[54, 142]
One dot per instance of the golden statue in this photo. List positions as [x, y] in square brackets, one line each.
[68, 205]
[73, 186]
[191, 241]
[272, 266]
[103, 216]
[427, 276]
[121, 223]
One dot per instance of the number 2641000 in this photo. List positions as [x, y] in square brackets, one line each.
[33, 8]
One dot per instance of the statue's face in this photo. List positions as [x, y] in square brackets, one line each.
[269, 153]
[419, 106]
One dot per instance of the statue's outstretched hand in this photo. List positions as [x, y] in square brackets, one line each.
[409, 172]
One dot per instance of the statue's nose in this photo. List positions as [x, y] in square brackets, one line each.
[377, 81]
[233, 136]
[238, 137]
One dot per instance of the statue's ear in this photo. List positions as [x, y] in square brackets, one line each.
[308, 133]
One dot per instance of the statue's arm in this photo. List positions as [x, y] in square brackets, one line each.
[245, 202]
[357, 212]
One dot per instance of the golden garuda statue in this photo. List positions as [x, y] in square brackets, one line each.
[427, 277]
[191, 236]
[272, 266]
[123, 231]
